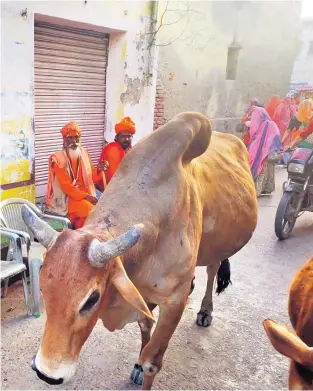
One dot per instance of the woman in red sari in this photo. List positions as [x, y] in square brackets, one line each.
[272, 105]
[283, 114]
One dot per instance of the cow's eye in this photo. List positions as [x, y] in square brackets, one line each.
[91, 302]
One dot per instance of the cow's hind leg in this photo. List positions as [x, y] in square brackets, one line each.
[151, 357]
[204, 317]
[145, 329]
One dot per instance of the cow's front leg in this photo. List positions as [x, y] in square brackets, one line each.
[145, 329]
[170, 314]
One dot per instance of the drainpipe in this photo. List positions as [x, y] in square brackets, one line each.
[233, 52]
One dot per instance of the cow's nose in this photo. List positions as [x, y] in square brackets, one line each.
[43, 377]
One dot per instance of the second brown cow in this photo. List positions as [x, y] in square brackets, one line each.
[298, 345]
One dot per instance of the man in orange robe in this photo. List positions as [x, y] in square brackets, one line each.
[72, 178]
[115, 152]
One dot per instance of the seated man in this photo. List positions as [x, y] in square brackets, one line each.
[72, 178]
[114, 152]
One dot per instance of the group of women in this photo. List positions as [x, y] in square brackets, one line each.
[273, 130]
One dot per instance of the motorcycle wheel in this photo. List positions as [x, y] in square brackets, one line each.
[285, 219]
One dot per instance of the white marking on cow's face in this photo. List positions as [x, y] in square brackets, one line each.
[65, 370]
[208, 224]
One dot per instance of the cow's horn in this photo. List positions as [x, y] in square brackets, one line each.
[42, 231]
[101, 252]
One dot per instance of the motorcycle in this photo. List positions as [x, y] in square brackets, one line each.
[298, 192]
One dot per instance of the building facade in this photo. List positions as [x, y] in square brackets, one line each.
[83, 61]
[96, 61]
[215, 56]
[303, 65]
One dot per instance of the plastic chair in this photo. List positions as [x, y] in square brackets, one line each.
[11, 219]
[14, 264]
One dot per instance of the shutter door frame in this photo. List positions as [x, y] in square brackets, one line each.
[70, 67]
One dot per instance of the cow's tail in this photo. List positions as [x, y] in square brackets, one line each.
[223, 276]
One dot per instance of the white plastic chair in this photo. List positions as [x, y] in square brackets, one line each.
[14, 264]
[11, 219]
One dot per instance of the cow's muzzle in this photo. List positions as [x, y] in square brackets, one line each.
[43, 377]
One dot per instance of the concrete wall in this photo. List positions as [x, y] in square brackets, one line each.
[303, 65]
[193, 44]
[17, 96]
[131, 81]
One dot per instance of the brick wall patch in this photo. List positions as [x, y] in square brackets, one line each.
[159, 106]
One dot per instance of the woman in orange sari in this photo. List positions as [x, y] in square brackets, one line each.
[301, 119]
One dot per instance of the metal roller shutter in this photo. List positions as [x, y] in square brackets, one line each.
[70, 76]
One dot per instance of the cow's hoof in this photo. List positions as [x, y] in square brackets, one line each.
[192, 286]
[204, 319]
[137, 375]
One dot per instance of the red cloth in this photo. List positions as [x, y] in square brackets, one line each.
[283, 114]
[71, 130]
[126, 125]
[273, 103]
[113, 153]
[307, 131]
[246, 139]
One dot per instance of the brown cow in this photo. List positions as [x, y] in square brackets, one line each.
[298, 345]
[194, 194]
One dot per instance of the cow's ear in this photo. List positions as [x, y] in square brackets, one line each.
[128, 290]
[286, 342]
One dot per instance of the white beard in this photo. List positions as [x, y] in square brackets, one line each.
[74, 153]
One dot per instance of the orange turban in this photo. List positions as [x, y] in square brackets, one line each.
[71, 130]
[126, 125]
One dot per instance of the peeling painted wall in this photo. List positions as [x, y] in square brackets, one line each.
[131, 75]
[193, 45]
[17, 144]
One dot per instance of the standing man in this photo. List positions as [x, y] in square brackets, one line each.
[72, 178]
[114, 152]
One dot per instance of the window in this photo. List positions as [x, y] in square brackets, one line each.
[232, 61]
